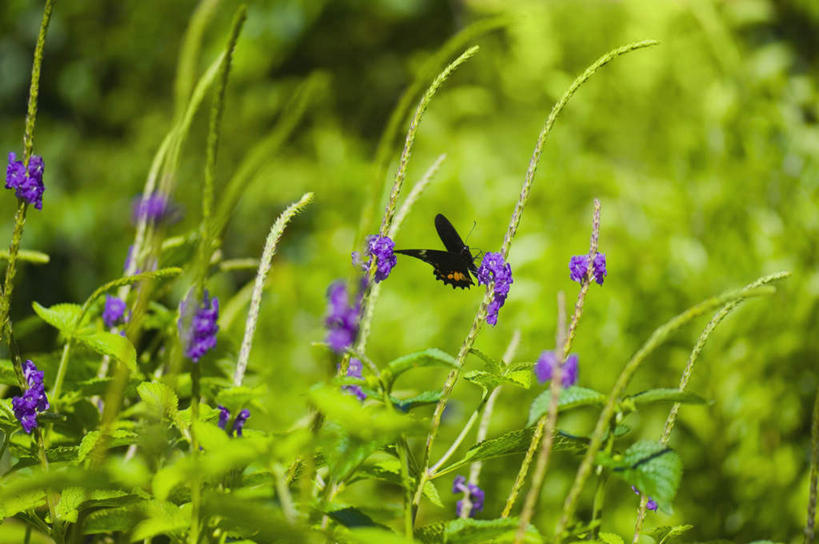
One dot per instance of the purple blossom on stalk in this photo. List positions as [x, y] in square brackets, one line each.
[114, 311]
[342, 318]
[26, 182]
[494, 269]
[579, 267]
[198, 327]
[475, 494]
[224, 416]
[154, 208]
[240, 421]
[33, 400]
[385, 260]
[546, 363]
[355, 370]
[651, 504]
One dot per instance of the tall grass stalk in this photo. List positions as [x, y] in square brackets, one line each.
[814, 473]
[549, 421]
[686, 376]
[403, 211]
[28, 147]
[480, 316]
[270, 245]
[654, 341]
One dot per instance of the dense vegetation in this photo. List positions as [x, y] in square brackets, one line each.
[277, 138]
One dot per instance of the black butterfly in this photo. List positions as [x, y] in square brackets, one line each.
[453, 265]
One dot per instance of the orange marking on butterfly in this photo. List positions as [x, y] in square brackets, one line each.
[457, 276]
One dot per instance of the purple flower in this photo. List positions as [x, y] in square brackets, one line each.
[198, 327]
[494, 269]
[154, 208]
[355, 370]
[472, 491]
[26, 182]
[382, 248]
[240, 421]
[651, 504]
[579, 267]
[114, 311]
[33, 400]
[342, 318]
[545, 365]
[224, 416]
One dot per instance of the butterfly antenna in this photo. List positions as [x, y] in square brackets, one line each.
[474, 224]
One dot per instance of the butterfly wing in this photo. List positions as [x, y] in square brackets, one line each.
[450, 268]
[452, 241]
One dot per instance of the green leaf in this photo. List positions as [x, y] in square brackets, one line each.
[7, 374]
[427, 357]
[236, 398]
[163, 518]
[353, 517]
[210, 436]
[467, 531]
[653, 469]
[388, 469]
[19, 502]
[128, 280]
[423, 399]
[661, 395]
[110, 520]
[511, 443]
[369, 535]
[665, 534]
[159, 399]
[115, 346]
[62, 317]
[72, 498]
[610, 538]
[489, 381]
[570, 398]
[491, 364]
[367, 421]
[119, 437]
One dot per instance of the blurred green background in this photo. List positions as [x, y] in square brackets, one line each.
[702, 151]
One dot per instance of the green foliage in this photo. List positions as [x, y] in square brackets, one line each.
[569, 398]
[652, 468]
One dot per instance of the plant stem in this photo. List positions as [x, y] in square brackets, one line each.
[58, 381]
[461, 436]
[196, 491]
[814, 473]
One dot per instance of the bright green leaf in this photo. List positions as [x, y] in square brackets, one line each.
[62, 317]
[570, 398]
[427, 357]
[113, 345]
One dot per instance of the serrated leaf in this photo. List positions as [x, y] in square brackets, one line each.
[110, 520]
[369, 535]
[133, 278]
[466, 531]
[664, 395]
[388, 469]
[72, 498]
[570, 398]
[423, 399]
[235, 398]
[163, 518]
[110, 344]
[210, 436]
[159, 399]
[610, 538]
[652, 468]
[492, 364]
[511, 443]
[19, 502]
[427, 357]
[489, 381]
[62, 317]
[119, 437]
[664, 535]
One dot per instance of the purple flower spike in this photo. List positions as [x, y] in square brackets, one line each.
[114, 311]
[33, 400]
[382, 248]
[494, 269]
[197, 326]
[241, 419]
[342, 319]
[546, 364]
[475, 494]
[579, 267]
[224, 416]
[27, 183]
[155, 208]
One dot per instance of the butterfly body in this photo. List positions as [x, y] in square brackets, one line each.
[453, 266]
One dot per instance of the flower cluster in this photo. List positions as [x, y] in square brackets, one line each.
[385, 260]
[472, 491]
[26, 182]
[545, 366]
[114, 312]
[354, 370]
[34, 399]
[342, 318]
[494, 269]
[238, 423]
[579, 268]
[651, 504]
[154, 208]
[197, 326]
